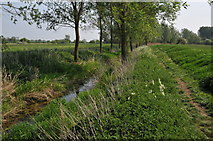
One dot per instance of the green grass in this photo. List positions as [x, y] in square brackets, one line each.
[34, 46]
[147, 110]
[138, 100]
[182, 64]
[196, 59]
[40, 66]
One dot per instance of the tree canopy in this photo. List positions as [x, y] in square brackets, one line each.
[206, 32]
[192, 38]
[134, 21]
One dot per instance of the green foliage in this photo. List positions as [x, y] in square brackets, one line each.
[24, 40]
[148, 106]
[196, 61]
[191, 37]
[181, 41]
[145, 111]
[205, 32]
[32, 86]
[169, 34]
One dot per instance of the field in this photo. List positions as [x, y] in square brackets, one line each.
[196, 60]
[156, 94]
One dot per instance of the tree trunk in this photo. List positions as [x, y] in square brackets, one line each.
[101, 34]
[124, 51]
[77, 35]
[136, 45]
[119, 44]
[130, 42]
[146, 41]
[111, 38]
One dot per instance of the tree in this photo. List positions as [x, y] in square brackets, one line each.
[166, 35]
[205, 32]
[125, 13]
[181, 41]
[175, 35]
[3, 43]
[55, 15]
[67, 38]
[191, 37]
[100, 7]
[24, 40]
[169, 34]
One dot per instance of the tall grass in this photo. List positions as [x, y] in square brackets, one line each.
[131, 101]
[43, 70]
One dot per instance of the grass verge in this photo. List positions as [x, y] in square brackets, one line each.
[136, 100]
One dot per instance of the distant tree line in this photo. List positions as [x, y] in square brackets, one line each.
[171, 35]
[25, 40]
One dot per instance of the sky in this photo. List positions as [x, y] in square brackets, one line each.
[196, 15]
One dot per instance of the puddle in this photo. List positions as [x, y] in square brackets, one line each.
[88, 85]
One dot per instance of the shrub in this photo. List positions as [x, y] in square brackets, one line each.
[182, 41]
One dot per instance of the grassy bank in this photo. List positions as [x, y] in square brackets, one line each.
[38, 75]
[195, 59]
[202, 113]
[194, 67]
[136, 100]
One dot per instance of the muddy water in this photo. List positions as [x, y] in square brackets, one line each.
[88, 85]
[28, 112]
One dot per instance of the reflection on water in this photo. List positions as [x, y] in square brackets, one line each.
[88, 85]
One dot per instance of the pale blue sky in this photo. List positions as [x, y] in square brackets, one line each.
[196, 15]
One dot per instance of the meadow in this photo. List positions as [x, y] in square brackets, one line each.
[36, 73]
[130, 101]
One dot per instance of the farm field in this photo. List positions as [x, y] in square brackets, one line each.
[34, 46]
[196, 60]
[155, 95]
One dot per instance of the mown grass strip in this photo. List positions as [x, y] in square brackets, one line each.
[196, 100]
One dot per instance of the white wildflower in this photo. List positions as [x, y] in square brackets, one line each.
[162, 87]
[163, 93]
[150, 91]
[159, 81]
[153, 82]
[128, 98]
[132, 93]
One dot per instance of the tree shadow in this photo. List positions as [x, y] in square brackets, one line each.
[206, 85]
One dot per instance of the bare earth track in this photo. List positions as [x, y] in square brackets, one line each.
[183, 86]
[207, 119]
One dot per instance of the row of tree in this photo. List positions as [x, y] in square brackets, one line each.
[18, 40]
[170, 35]
[66, 40]
[126, 22]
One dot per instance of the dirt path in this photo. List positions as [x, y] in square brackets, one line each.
[203, 121]
[183, 86]
[207, 119]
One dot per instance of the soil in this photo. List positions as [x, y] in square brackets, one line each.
[34, 103]
[183, 86]
[207, 119]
